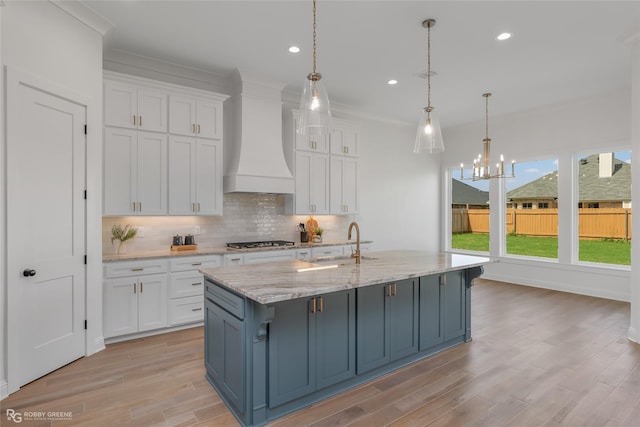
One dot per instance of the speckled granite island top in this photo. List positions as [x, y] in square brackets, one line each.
[286, 280]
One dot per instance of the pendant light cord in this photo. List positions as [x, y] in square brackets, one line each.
[428, 66]
[314, 36]
[486, 115]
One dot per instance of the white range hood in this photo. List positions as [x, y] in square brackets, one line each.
[255, 157]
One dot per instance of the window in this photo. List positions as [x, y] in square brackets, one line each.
[532, 232]
[469, 213]
[604, 207]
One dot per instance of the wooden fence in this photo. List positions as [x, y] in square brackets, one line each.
[611, 223]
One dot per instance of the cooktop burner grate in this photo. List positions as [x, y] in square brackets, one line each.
[263, 244]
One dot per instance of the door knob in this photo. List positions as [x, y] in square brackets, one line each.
[28, 272]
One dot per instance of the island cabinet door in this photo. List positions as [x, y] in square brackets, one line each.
[454, 305]
[292, 351]
[335, 338]
[403, 319]
[224, 356]
[372, 327]
[431, 318]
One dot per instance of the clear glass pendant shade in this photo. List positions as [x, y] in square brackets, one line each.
[315, 112]
[429, 136]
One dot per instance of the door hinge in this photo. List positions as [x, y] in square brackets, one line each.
[85, 129]
[85, 194]
[85, 260]
[85, 324]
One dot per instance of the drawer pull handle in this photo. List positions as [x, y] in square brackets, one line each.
[197, 309]
[388, 290]
[313, 305]
[321, 308]
[196, 284]
[395, 289]
[196, 263]
[141, 287]
[134, 288]
[137, 269]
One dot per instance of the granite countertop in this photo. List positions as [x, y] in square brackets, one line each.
[168, 253]
[282, 281]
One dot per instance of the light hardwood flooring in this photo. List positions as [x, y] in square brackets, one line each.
[538, 358]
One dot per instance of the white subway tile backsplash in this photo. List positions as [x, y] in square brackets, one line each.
[246, 217]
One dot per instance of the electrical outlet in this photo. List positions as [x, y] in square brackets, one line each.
[140, 232]
[196, 230]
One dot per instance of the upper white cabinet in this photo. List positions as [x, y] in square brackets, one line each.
[195, 176]
[326, 169]
[195, 117]
[135, 172]
[344, 185]
[344, 141]
[175, 166]
[132, 107]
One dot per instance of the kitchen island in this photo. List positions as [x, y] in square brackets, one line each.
[283, 335]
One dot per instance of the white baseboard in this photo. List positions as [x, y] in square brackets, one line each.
[4, 389]
[113, 340]
[633, 335]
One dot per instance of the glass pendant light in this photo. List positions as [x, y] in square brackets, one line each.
[429, 135]
[315, 113]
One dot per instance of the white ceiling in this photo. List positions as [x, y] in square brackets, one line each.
[560, 50]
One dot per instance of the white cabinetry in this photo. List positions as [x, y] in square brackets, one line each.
[312, 183]
[344, 185]
[186, 288]
[327, 251]
[195, 117]
[135, 297]
[326, 170]
[129, 106]
[269, 256]
[135, 172]
[195, 176]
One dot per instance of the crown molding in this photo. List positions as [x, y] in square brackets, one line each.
[84, 14]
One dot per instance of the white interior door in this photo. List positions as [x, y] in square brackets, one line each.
[45, 229]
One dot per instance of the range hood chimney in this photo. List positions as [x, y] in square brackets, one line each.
[255, 161]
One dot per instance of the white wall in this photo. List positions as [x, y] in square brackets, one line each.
[556, 131]
[42, 39]
[634, 328]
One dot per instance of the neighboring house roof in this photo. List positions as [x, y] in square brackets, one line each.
[592, 188]
[464, 194]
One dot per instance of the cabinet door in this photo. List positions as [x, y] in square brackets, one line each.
[454, 305]
[344, 185]
[315, 143]
[320, 184]
[182, 175]
[120, 171]
[120, 105]
[208, 172]
[431, 326]
[182, 115]
[209, 119]
[372, 327]
[351, 142]
[292, 352]
[403, 319]
[120, 307]
[186, 284]
[335, 338]
[152, 302]
[303, 183]
[152, 110]
[152, 173]
[224, 355]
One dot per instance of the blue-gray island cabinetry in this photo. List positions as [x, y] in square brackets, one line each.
[283, 335]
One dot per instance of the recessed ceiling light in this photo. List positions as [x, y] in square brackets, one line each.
[504, 36]
[392, 82]
[294, 49]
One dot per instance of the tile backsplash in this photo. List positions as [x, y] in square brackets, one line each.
[247, 217]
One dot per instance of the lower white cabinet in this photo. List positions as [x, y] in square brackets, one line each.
[186, 288]
[135, 304]
[269, 256]
[327, 251]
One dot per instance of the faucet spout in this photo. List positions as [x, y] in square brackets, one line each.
[355, 255]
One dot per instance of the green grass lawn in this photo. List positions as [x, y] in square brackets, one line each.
[604, 251]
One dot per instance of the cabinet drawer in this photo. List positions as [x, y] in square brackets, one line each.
[233, 259]
[326, 251]
[195, 262]
[186, 284]
[231, 302]
[269, 256]
[135, 268]
[186, 310]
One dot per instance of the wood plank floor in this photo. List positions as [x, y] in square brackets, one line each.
[538, 358]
